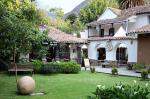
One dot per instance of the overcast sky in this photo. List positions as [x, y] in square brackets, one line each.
[66, 5]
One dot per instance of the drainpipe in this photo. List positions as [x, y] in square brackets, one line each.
[127, 23]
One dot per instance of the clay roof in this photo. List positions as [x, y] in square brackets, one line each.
[144, 29]
[108, 21]
[109, 38]
[61, 37]
[124, 15]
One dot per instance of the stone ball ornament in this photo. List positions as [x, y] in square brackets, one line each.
[26, 85]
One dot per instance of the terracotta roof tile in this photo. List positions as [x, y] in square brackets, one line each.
[61, 37]
[109, 38]
[144, 29]
[124, 15]
[107, 21]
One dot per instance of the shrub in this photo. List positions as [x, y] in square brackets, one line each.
[121, 91]
[138, 67]
[92, 69]
[60, 67]
[144, 74]
[114, 71]
[50, 68]
[37, 65]
[69, 67]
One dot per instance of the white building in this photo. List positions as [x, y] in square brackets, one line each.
[107, 37]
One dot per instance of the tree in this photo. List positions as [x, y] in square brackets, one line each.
[58, 11]
[72, 18]
[125, 4]
[94, 9]
[19, 28]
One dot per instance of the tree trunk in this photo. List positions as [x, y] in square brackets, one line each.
[14, 62]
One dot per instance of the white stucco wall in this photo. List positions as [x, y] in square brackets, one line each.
[84, 34]
[108, 14]
[92, 31]
[107, 27]
[73, 51]
[141, 20]
[111, 55]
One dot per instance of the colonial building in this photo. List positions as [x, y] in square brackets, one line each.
[61, 46]
[107, 36]
[65, 46]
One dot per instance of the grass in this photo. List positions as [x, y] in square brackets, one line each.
[64, 86]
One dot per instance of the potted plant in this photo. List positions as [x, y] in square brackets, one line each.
[144, 74]
[114, 71]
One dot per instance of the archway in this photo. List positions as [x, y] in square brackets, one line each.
[122, 53]
[101, 53]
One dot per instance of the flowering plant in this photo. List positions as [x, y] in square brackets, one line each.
[121, 91]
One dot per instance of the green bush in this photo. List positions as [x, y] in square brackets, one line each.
[37, 65]
[60, 67]
[50, 68]
[114, 71]
[92, 69]
[121, 91]
[69, 67]
[138, 67]
[144, 74]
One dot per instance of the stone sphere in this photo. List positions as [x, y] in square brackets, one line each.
[26, 85]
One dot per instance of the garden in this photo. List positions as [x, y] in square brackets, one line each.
[20, 33]
[61, 80]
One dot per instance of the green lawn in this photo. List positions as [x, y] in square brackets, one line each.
[63, 86]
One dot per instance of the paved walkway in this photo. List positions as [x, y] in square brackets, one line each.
[121, 71]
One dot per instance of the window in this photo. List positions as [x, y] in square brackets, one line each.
[102, 33]
[111, 31]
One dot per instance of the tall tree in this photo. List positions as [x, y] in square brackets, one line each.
[95, 8]
[125, 4]
[19, 27]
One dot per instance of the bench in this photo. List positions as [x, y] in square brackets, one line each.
[21, 68]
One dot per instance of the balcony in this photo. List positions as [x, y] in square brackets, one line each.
[120, 34]
[101, 33]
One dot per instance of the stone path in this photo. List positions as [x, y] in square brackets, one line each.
[121, 71]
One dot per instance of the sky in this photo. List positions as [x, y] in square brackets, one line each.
[66, 5]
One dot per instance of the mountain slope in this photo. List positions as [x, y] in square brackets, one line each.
[76, 10]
